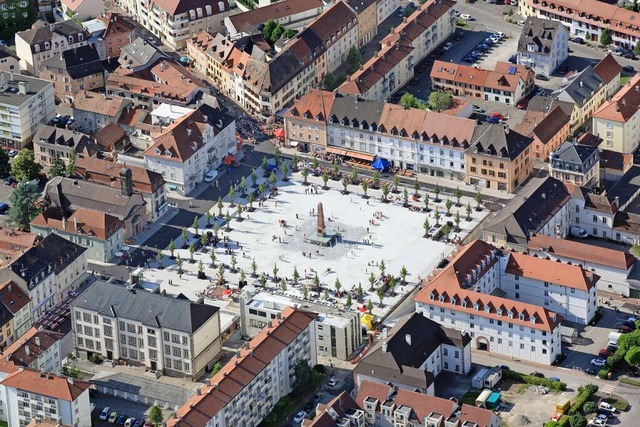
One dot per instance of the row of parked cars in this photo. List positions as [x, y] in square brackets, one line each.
[623, 326]
[483, 47]
[114, 417]
[63, 121]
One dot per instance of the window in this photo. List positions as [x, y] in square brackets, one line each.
[445, 351]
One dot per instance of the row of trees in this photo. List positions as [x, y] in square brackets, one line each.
[272, 31]
[438, 101]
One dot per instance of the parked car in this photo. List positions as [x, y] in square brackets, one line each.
[578, 40]
[138, 423]
[554, 379]
[308, 407]
[130, 422]
[628, 69]
[499, 116]
[605, 352]
[466, 17]
[504, 367]
[9, 181]
[13, 153]
[3, 208]
[579, 232]
[447, 46]
[333, 382]
[210, 176]
[597, 423]
[607, 407]
[483, 47]
[122, 418]
[104, 415]
[598, 362]
[542, 77]
[523, 104]
[539, 91]
[493, 120]
[477, 109]
[458, 35]
[113, 417]
[537, 374]
[521, 23]
[625, 329]
[630, 55]
[299, 417]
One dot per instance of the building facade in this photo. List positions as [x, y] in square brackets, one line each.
[16, 313]
[543, 45]
[179, 337]
[50, 141]
[72, 71]
[617, 121]
[93, 111]
[576, 164]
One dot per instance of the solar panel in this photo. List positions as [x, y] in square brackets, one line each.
[512, 70]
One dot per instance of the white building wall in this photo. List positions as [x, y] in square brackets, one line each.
[596, 223]
[386, 8]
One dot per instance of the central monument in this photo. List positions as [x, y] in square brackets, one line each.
[321, 236]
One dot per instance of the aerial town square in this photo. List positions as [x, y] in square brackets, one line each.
[316, 213]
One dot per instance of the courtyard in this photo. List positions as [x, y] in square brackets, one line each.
[376, 251]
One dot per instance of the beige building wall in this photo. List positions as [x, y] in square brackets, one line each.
[498, 173]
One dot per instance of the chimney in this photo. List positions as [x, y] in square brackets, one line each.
[9, 288]
[126, 182]
[617, 202]
[38, 341]
[27, 350]
[64, 222]
[385, 333]
[75, 223]
[70, 380]
[407, 338]
[384, 346]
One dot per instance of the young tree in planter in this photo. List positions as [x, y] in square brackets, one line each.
[276, 154]
[221, 274]
[447, 205]
[365, 187]
[216, 229]
[155, 415]
[243, 186]
[345, 182]
[426, 202]
[220, 205]
[203, 241]
[275, 272]
[437, 217]
[254, 267]
[469, 210]
[254, 178]
[349, 301]
[436, 191]
[159, 258]
[372, 280]
[294, 161]
[212, 257]
[456, 221]
[446, 230]
[314, 163]
[250, 199]
[376, 178]
[262, 189]
[305, 175]
[285, 171]
[383, 267]
[172, 248]
[380, 293]
[283, 285]
[392, 285]
[416, 187]
[385, 191]
[243, 277]
[335, 171]
[240, 209]
[273, 179]
[227, 220]
[296, 275]
[263, 280]
[325, 179]
[200, 270]
[232, 196]
[192, 249]
[360, 291]
[395, 181]
[234, 263]
[458, 195]
[370, 306]
[338, 285]
[405, 196]
[183, 235]
[426, 226]
[403, 274]
[265, 164]
[326, 294]
[196, 224]
[316, 280]
[179, 263]
[478, 201]
[305, 292]
[207, 217]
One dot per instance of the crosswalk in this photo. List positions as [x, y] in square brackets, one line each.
[607, 388]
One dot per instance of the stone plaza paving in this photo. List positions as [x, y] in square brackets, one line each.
[370, 233]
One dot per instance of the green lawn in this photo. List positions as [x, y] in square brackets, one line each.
[619, 404]
[624, 79]
[3, 424]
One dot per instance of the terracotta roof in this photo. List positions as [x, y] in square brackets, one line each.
[378, 391]
[94, 224]
[239, 372]
[46, 384]
[46, 423]
[608, 68]
[109, 135]
[423, 404]
[420, 20]
[13, 297]
[98, 103]
[177, 7]
[582, 252]
[108, 173]
[449, 284]
[627, 222]
[339, 404]
[13, 241]
[17, 356]
[551, 125]
[544, 270]
[116, 24]
[600, 203]
[315, 104]
[624, 104]
[614, 160]
[273, 11]
[505, 76]
[482, 417]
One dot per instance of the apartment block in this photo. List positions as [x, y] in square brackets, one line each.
[51, 141]
[338, 333]
[37, 349]
[173, 336]
[412, 353]
[292, 14]
[72, 71]
[47, 272]
[617, 120]
[93, 111]
[461, 296]
[15, 309]
[26, 104]
[576, 164]
[262, 369]
[543, 45]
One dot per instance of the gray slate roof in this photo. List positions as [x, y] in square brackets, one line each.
[11, 94]
[401, 362]
[155, 310]
[494, 139]
[570, 156]
[539, 32]
[140, 52]
[143, 387]
[627, 188]
[526, 213]
[544, 104]
[580, 88]
[347, 107]
[42, 34]
[80, 62]
[52, 253]
[46, 134]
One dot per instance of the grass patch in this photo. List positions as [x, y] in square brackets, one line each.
[523, 388]
[470, 397]
[462, 24]
[620, 405]
[624, 80]
[3, 424]
[530, 379]
[630, 381]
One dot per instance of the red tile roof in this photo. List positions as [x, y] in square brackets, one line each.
[480, 416]
[423, 404]
[375, 390]
[13, 297]
[624, 104]
[340, 405]
[46, 384]
[455, 280]
[608, 68]
[581, 252]
[181, 139]
[16, 355]
[108, 173]
[91, 223]
[315, 104]
[240, 371]
[544, 270]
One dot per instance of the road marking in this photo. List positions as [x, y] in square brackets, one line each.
[607, 388]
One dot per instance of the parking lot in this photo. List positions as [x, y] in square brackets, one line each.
[120, 406]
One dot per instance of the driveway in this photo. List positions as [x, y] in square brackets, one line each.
[121, 406]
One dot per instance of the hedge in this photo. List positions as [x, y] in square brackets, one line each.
[584, 394]
[530, 379]
[630, 381]
[603, 373]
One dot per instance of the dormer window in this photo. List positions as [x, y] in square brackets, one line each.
[47, 45]
[510, 314]
[432, 296]
[453, 301]
[441, 298]
[463, 304]
[158, 152]
[70, 39]
[80, 37]
[532, 319]
[487, 309]
[167, 153]
[499, 312]
[521, 317]
[476, 307]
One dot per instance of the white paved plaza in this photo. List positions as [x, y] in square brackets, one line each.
[396, 236]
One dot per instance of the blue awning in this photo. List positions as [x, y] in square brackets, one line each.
[380, 164]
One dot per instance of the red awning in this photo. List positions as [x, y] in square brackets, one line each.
[363, 309]
[279, 133]
[228, 160]
[227, 292]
